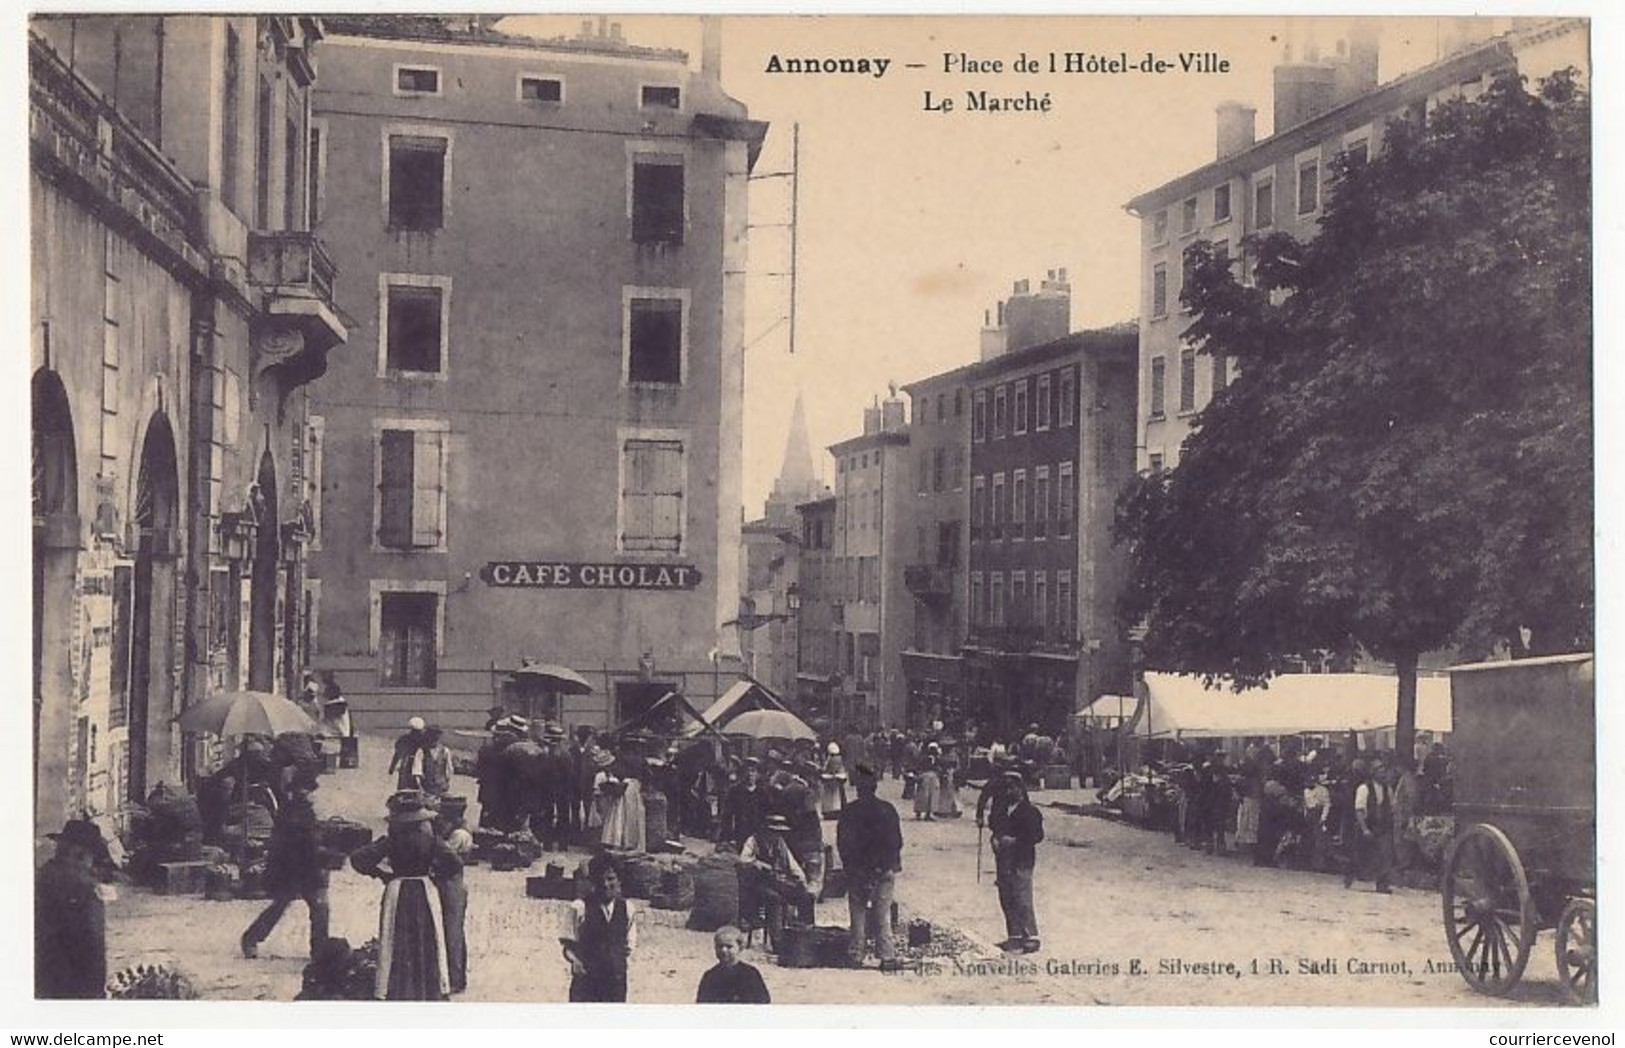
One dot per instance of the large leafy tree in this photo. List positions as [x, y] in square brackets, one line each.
[1404, 461]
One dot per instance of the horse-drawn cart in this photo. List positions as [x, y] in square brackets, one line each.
[1524, 857]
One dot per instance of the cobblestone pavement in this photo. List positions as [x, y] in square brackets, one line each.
[1128, 918]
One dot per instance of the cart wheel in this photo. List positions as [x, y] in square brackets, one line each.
[1489, 915]
[1577, 949]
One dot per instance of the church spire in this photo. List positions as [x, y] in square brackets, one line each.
[797, 481]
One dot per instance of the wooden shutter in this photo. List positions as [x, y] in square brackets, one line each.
[427, 450]
[395, 453]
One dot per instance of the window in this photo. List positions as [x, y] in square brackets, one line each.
[656, 96]
[948, 544]
[1221, 203]
[875, 503]
[411, 504]
[1018, 599]
[1041, 602]
[976, 615]
[959, 403]
[417, 80]
[942, 405]
[1041, 404]
[1187, 217]
[406, 639]
[1221, 373]
[653, 476]
[414, 324]
[1064, 500]
[262, 158]
[999, 511]
[231, 111]
[1063, 605]
[1018, 500]
[1000, 414]
[1159, 227]
[657, 199]
[1357, 151]
[541, 89]
[656, 326]
[922, 410]
[315, 163]
[978, 417]
[998, 599]
[1264, 203]
[959, 468]
[978, 507]
[1187, 380]
[1159, 290]
[1154, 461]
[1019, 409]
[939, 469]
[416, 182]
[1068, 398]
[1159, 369]
[1040, 502]
[922, 474]
[1308, 186]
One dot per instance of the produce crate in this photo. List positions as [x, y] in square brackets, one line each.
[182, 878]
[813, 947]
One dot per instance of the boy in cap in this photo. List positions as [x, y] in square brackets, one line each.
[731, 981]
[70, 920]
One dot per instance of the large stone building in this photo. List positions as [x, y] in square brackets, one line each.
[179, 307]
[1323, 107]
[1018, 460]
[535, 450]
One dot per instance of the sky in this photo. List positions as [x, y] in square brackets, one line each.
[911, 224]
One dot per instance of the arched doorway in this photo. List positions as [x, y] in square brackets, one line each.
[55, 501]
[152, 615]
[263, 585]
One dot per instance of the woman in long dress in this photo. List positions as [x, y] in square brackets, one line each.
[624, 821]
[832, 784]
[412, 862]
[947, 803]
[926, 784]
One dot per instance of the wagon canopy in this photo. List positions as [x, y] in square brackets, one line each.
[1293, 704]
[742, 697]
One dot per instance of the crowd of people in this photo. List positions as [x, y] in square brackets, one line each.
[1311, 807]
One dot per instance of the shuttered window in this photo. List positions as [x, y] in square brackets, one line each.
[406, 639]
[652, 495]
[411, 476]
[657, 201]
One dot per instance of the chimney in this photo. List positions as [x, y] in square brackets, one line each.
[871, 419]
[1237, 128]
[1303, 91]
[1032, 319]
[711, 47]
[1357, 74]
[892, 417]
[992, 334]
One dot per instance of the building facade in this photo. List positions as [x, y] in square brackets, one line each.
[819, 598]
[1323, 108]
[1052, 432]
[535, 449]
[180, 307]
[936, 564]
[872, 477]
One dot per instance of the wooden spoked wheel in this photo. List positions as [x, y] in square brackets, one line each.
[1577, 949]
[1489, 915]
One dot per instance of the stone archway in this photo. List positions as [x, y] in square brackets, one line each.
[262, 600]
[55, 501]
[152, 615]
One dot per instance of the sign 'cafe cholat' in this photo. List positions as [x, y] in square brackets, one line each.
[559, 575]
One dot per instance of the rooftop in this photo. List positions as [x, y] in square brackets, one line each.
[478, 30]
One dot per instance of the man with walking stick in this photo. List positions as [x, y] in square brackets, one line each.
[1017, 827]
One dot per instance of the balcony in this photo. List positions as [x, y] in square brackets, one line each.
[929, 582]
[299, 321]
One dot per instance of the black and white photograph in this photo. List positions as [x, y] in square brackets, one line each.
[849, 510]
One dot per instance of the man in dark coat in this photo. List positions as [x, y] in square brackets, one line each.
[294, 869]
[1017, 827]
[869, 838]
[745, 806]
[554, 780]
[70, 921]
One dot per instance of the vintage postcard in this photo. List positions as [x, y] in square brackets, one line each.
[840, 510]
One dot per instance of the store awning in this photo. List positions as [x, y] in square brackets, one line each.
[1292, 704]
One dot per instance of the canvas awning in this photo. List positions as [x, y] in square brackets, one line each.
[744, 695]
[1293, 704]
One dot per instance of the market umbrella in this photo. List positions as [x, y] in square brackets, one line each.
[769, 724]
[553, 677]
[231, 714]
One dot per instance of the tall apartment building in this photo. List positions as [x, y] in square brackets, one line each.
[1323, 107]
[872, 474]
[820, 596]
[180, 305]
[536, 450]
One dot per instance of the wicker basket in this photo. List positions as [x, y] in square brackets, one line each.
[813, 947]
[716, 894]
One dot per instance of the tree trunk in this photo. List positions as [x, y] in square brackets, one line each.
[1405, 715]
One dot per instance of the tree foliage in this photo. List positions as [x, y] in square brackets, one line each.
[1404, 461]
